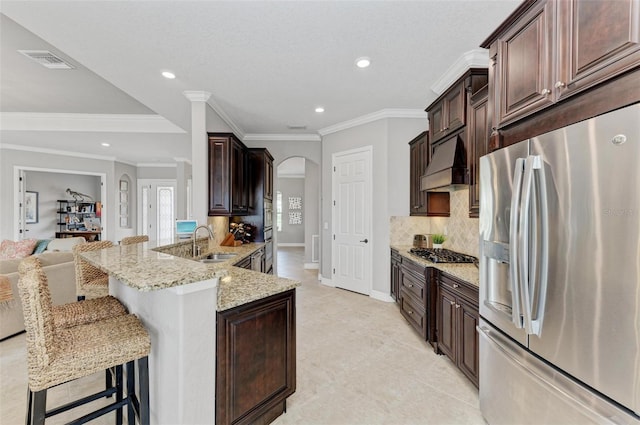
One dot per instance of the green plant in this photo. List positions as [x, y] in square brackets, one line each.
[438, 238]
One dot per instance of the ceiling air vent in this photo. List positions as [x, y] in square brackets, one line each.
[297, 127]
[47, 59]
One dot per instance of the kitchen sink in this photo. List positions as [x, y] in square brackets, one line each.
[217, 258]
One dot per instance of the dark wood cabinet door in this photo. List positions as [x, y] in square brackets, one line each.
[525, 65]
[418, 160]
[479, 130]
[239, 187]
[446, 324]
[219, 166]
[454, 109]
[437, 122]
[256, 363]
[597, 41]
[467, 341]
[268, 179]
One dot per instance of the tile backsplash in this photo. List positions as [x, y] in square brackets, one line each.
[462, 231]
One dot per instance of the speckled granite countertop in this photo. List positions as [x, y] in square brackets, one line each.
[467, 272]
[143, 268]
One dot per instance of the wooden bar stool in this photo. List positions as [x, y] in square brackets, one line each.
[130, 240]
[57, 355]
[91, 282]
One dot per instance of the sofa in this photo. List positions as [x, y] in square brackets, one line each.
[57, 263]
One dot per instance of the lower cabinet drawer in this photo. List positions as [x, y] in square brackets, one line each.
[413, 284]
[413, 312]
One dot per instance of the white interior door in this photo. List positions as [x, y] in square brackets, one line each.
[351, 187]
[157, 208]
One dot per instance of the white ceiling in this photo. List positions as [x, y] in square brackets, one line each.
[268, 64]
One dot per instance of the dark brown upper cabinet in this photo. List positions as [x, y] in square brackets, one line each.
[550, 50]
[228, 178]
[419, 157]
[479, 129]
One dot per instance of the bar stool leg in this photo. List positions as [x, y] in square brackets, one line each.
[39, 407]
[131, 384]
[143, 376]
[119, 392]
[29, 406]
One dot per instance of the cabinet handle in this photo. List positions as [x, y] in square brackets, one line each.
[455, 285]
[545, 92]
[457, 305]
[560, 85]
[409, 312]
[415, 207]
[410, 286]
[452, 302]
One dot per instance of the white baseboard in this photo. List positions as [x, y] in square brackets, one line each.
[312, 265]
[325, 281]
[382, 296]
[291, 244]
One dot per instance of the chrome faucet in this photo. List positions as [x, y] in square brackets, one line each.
[196, 249]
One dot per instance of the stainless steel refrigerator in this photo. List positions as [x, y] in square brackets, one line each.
[560, 276]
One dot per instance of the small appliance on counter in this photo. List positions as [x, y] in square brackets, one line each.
[422, 241]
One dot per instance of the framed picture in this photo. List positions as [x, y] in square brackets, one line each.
[31, 207]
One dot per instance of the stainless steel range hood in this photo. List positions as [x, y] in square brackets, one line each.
[447, 169]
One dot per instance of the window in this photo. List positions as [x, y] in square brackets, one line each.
[279, 211]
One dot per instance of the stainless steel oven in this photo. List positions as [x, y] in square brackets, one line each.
[268, 215]
[268, 251]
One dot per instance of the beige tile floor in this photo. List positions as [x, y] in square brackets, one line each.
[358, 362]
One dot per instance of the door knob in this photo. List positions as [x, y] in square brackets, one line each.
[365, 241]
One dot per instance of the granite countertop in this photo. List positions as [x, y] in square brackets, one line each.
[142, 267]
[465, 271]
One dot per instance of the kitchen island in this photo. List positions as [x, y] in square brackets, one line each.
[180, 301]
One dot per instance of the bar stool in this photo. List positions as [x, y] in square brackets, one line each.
[130, 240]
[57, 355]
[91, 282]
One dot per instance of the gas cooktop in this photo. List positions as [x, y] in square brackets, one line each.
[442, 255]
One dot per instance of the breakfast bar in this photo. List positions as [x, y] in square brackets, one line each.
[179, 300]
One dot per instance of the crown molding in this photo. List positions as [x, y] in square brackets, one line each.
[282, 137]
[197, 95]
[476, 58]
[178, 159]
[226, 118]
[56, 152]
[375, 116]
[114, 123]
[156, 165]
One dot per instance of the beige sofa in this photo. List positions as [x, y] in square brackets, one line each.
[57, 263]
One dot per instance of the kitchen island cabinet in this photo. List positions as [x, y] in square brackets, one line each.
[178, 300]
[256, 360]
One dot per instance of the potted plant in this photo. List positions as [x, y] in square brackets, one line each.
[438, 240]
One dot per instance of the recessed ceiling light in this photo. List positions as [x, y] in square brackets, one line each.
[106, 145]
[363, 62]
[169, 75]
[319, 109]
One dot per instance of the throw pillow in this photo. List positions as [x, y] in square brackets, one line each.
[41, 246]
[21, 249]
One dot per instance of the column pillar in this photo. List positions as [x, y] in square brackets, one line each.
[199, 151]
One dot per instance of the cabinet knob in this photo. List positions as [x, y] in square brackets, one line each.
[455, 285]
[452, 302]
[410, 285]
[409, 312]
[560, 85]
[415, 207]
[457, 305]
[545, 92]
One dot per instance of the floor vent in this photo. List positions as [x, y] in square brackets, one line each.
[47, 59]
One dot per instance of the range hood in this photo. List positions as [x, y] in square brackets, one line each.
[447, 169]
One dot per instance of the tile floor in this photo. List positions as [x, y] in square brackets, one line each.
[359, 362]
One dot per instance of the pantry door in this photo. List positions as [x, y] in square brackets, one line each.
[352, 205]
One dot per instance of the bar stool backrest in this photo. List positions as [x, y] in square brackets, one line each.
[85, 272]
[37, 310]
[130, 240]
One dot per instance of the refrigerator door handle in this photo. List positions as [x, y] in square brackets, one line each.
[531, 277]
[514, 255]
[541, 293]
